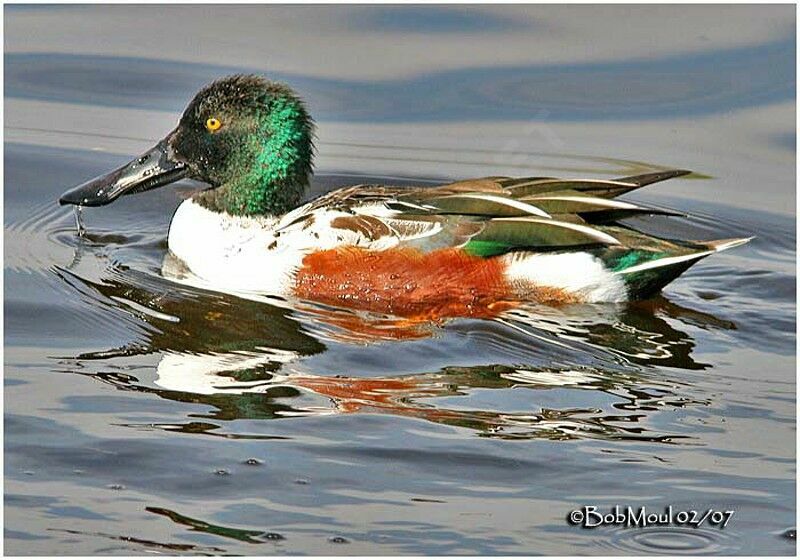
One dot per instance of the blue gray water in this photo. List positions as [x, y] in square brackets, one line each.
[145, 417]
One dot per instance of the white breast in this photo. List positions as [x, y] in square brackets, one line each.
[254, 254]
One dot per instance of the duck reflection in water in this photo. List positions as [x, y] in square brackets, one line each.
[245, 359]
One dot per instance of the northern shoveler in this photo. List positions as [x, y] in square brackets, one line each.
[457, 249]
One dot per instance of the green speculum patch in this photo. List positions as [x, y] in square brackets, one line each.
[482, 248]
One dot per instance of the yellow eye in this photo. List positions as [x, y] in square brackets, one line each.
[213, 124]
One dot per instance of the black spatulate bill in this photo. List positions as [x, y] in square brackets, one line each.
[155, 168]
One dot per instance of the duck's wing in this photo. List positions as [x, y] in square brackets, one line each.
[590, 200]
[494, 215]
[541, 213]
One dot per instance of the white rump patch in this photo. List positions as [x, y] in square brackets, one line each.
[581, 274]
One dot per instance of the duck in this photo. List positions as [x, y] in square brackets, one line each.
[464, 248]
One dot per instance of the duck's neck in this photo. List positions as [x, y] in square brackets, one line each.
[278, 166]
[262, 194]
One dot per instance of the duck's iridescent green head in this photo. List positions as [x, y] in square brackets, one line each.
[250, 139]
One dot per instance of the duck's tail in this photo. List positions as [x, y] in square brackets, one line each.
[645, 277]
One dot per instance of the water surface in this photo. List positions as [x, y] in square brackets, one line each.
[147, 417]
